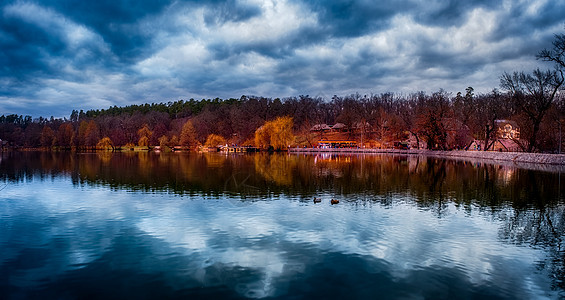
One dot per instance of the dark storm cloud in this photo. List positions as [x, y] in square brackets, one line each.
[93, 54]
[115, 21]
[35, 48]
[449, 13]
[21, 45]
[118, 22]
[523, 21]
[345, 18]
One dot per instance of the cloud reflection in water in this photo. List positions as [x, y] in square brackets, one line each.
[64, 236]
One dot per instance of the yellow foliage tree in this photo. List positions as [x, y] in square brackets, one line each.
[163, 141]
[105, 143]
[173, 141]
[276, 133]
[214, 140]
[143, 141]
[144, 135]
[282, 135]
[262, 136]
[128, 146]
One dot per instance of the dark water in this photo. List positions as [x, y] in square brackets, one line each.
[203, 226]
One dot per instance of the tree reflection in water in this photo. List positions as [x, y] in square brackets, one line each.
[529, 203]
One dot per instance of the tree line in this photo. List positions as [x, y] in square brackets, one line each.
[535, 101]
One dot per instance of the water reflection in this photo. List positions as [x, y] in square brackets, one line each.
[140, 224]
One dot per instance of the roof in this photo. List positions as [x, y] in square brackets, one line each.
[320, 127]
[511, 122]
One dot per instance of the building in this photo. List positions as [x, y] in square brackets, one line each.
[321, 127]
[337, 144]
[507, 138]
[500, 145]
[507, 129]
[339, 127]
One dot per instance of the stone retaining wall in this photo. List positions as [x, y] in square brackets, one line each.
[537, 161]
[517, 157]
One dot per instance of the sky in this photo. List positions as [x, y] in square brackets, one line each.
[60, 55]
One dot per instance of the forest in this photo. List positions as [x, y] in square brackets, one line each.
[533, 100]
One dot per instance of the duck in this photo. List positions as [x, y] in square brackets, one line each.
[334, 201]
[317, 200]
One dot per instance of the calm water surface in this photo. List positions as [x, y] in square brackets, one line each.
[170, 225]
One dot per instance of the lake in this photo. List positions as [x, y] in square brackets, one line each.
[212, 225]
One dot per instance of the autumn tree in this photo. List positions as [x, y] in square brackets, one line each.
[159, 130]
[263, 136]
[105, 144]
[47, 136]
[163, 142]
[173, 141]
[188, 135]
[65, 135]
[282, 136]
[144, 134]
[92, 134]
[276, 133]
[80, 142]
[32, 134]
[214, 140]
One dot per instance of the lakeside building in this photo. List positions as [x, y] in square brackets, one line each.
[507, 129]
[507, 138]
[337, 144]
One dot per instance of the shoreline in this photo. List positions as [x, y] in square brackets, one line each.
[533, 161]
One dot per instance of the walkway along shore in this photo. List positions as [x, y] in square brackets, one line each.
[521, 159]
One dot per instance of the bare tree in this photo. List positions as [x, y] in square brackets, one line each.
[408, 111]
[557, 54]
[432, 120]
[533, 95]
[489, 109]
[465, 112]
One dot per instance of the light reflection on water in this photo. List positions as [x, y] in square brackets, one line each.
[74, 239]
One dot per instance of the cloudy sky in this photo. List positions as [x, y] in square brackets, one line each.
[60, 55]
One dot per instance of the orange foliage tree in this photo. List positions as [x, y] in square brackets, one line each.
[173, 141]
[188, 135]
[92, 134]
[47, 137]
[65, 135]
[144, 135]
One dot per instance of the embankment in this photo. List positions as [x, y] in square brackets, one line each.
[536, 161]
